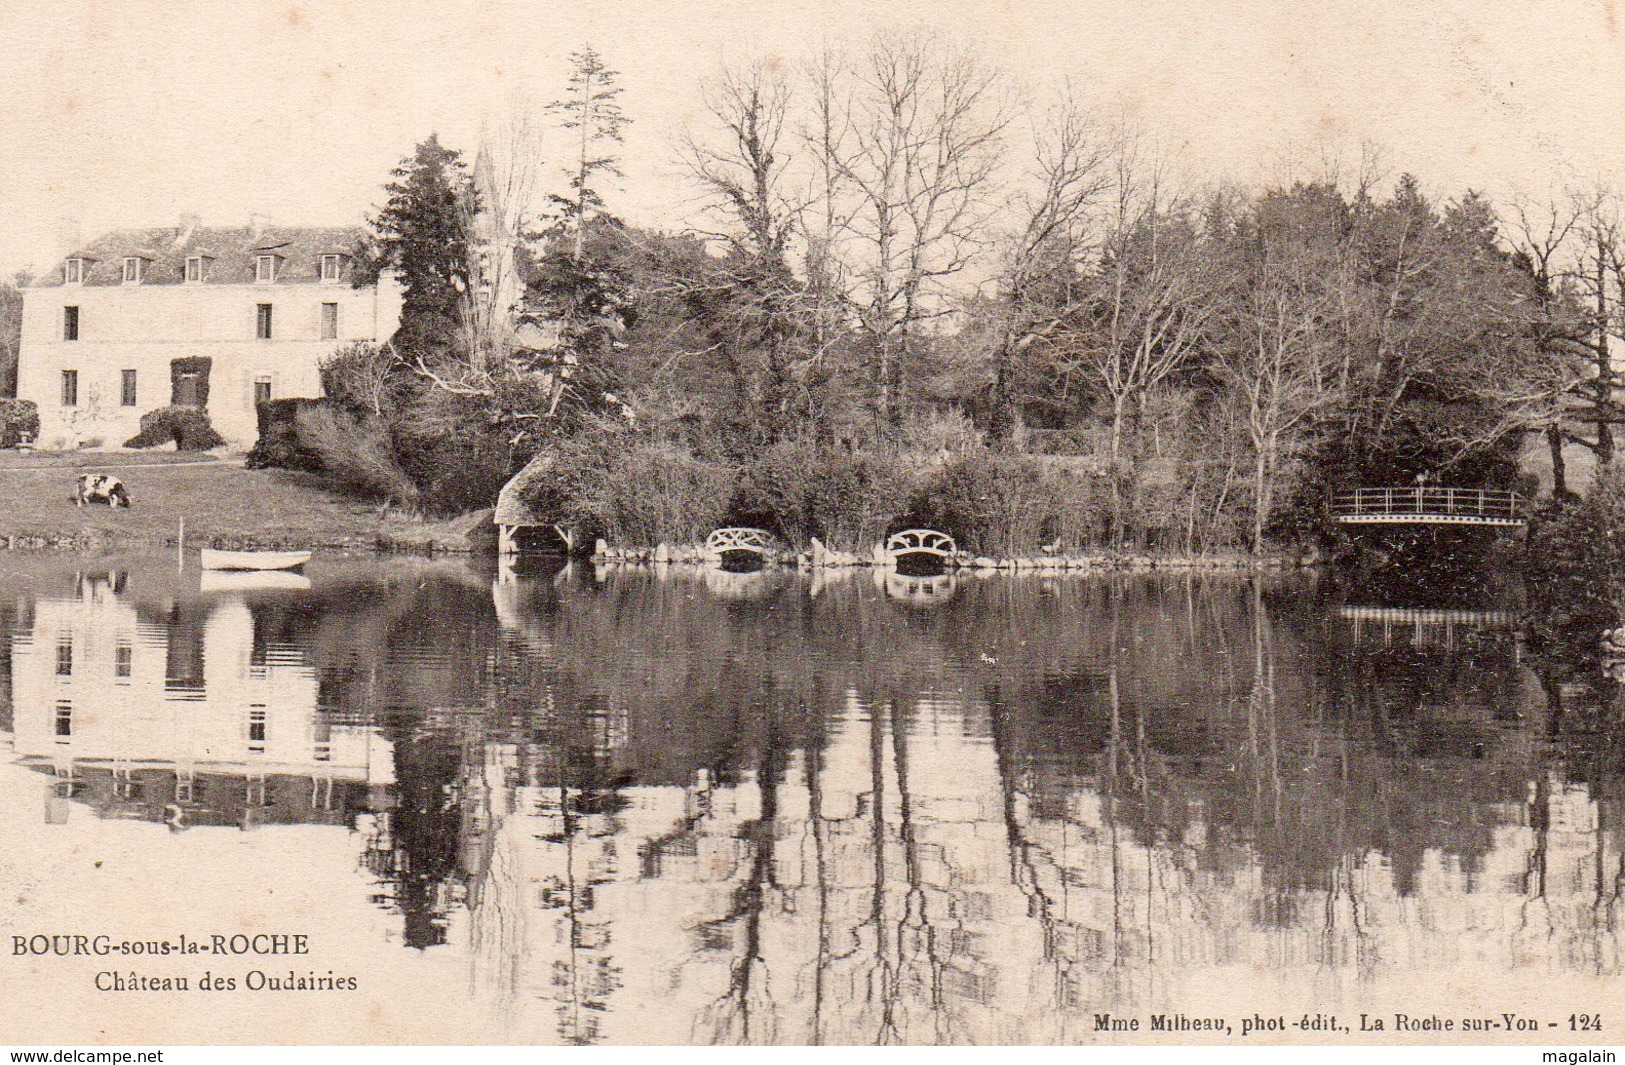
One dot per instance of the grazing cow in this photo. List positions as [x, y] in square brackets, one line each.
[101, 488]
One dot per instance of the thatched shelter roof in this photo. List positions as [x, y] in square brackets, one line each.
[515, 503]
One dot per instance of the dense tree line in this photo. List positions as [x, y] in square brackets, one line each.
[908, 288]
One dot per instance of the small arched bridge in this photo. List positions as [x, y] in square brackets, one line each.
[1425, 505]
[738, 538]
[926, 542]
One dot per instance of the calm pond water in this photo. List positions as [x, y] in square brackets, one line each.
[697, 807]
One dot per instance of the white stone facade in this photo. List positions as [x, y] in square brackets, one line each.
[99, 352]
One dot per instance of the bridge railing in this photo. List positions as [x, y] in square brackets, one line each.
[922, 542]
[739, 538]
[1482, 503]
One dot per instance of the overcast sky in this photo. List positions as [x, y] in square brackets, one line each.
[130, 112]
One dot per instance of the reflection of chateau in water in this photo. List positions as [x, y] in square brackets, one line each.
[655, 809]
[180, 713]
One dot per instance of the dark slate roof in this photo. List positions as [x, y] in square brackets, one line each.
[229, 254]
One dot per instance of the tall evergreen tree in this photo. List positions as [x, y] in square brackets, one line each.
[422, 234]
[579, 287]
[589, 111]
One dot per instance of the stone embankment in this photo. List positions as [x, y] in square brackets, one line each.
[98, 540]
[817, 556]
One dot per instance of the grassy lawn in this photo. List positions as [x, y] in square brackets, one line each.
[224, 505]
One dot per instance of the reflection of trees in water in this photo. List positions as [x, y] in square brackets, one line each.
[1030, 868]
[1585, 733]
[744, 1013]
[499, 925]
[425, 824]
[584, 849]
[415, 641]
[16, 617]
[1172, 766]
[1398, 750]
[567, 796]
[1454, 567]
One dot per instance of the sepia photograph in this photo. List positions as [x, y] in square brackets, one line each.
[812, 523]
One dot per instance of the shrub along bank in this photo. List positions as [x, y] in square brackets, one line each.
[639, 490]
[993, 504]
[1576, 553]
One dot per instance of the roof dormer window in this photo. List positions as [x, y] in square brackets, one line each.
[73, 272]
[331, 264]
[132, 270]
[194, 269]
[264, 269]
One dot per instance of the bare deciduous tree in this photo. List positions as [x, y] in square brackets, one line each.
[824, 213]
[507, 167]
[1042, 265]
[1151, 307]
[1570, 247]
[759, 315]
[1602, 251]
[741, 163]
[1276, 357]
[910, 133]
[11, 318]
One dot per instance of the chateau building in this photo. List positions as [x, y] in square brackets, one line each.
[221, 319]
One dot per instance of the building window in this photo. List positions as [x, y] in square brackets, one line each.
[123, 656]
[262, 390]
[194, 268]
[262, 322]
[127, 388]
[132, 270]
[70, 388]
[64, 657]
[70, 323]
[73, 272]
[330, 268]
[256, 731]
[64, 721]
[330, 321]
[265, 268]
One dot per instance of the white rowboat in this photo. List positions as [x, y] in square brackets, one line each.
[252, 580]
[254, 560]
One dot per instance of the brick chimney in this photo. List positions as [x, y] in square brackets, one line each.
[257, 224]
